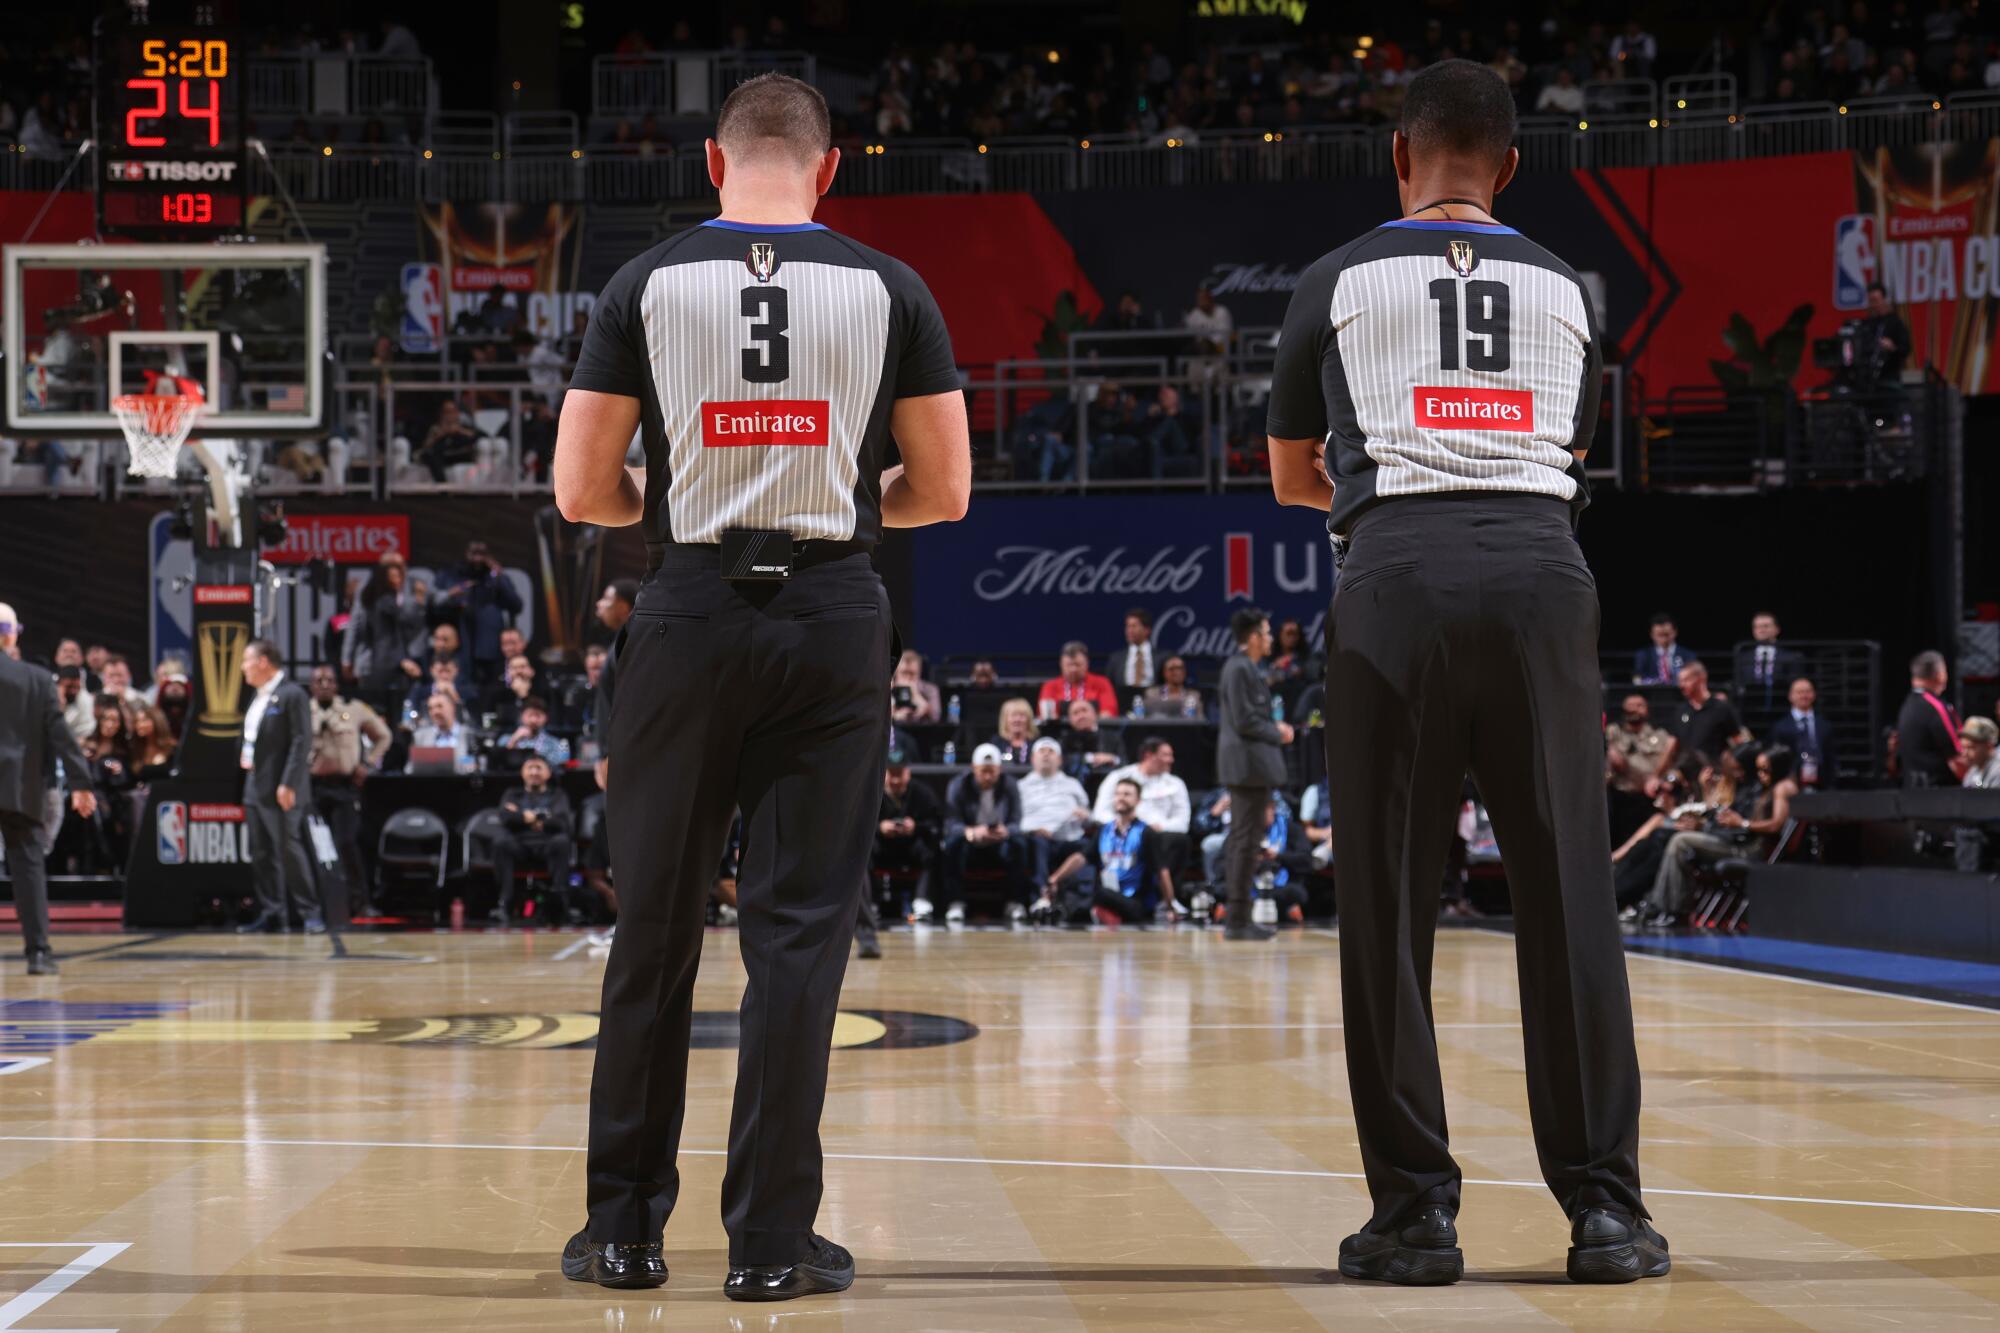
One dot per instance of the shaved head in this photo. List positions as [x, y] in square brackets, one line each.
[1457, 108]
[774, 116]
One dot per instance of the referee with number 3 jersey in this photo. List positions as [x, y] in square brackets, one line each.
[775, 371]
[1436, 388]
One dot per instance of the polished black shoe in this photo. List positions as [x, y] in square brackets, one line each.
[1249, 930]
[41, 963]
[262, 923]
[625, 1267]
[826, 1268]
[1607, 1245]
[1422, 1252]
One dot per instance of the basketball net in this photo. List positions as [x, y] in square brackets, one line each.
[156, 423]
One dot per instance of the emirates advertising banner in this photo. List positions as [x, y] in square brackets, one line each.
[1023, 575]
[314, 576]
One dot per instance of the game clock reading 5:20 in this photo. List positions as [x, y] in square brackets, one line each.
[168, 127]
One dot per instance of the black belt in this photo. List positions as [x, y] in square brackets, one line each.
[805, 554]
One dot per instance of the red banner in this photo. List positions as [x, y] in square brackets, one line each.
[346, 539]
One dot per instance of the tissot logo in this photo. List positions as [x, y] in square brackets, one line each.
[1475, 409]
[170, 171]
[775, 421]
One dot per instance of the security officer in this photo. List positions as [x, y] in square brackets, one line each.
[348, 743]
[766, 363]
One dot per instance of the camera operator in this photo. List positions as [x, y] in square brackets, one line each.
[1879, 350]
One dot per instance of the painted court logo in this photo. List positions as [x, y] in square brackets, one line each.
[1475, 409]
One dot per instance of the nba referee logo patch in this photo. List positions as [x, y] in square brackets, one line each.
[762, 261]
[1461, 257]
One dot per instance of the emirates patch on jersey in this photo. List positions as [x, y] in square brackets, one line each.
[1475, 409]
[765, 421]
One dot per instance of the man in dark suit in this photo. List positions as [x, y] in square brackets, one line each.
[1806, 733]
[33, 737]
[1927, 728]
[1134, 668]
[1763, 668]
[1661, 664]
[1249, 763]
[540, 831]
[277, 792]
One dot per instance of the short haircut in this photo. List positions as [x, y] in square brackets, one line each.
[1874, 287]
[775, 113]
[596, 650]
[536, 702]
[1247, 622]
[626, 591]
[1142, 615]
[1662, 618]
[264, 648]
[1696, 665]
[1152, 745]
[1133, 783]
[1458, 108]
[1927, 663]
[1076, 648]
[117, 659]
[536, 757]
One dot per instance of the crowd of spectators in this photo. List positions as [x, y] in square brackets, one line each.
[1072, 804]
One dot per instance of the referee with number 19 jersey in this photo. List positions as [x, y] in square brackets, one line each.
[1449, 368]
[774, 371]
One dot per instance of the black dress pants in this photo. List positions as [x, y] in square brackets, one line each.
[772, 697]
[1241, 847]
[552, 852]
[280, 866]
[1463, 636]
[27, 870]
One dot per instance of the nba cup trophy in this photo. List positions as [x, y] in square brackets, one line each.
[185, 345]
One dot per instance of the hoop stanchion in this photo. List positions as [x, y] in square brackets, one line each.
[155, 426]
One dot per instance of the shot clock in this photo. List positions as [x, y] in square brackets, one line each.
[169, 133]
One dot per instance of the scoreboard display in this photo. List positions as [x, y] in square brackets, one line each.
[169, 133]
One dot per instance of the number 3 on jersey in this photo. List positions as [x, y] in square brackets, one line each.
[770, 360]
[1485, 334]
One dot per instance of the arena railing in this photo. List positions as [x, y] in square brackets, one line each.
[318, 83]
[681, 83]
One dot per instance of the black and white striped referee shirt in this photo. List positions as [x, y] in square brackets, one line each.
[766, 360]
[1440, 356]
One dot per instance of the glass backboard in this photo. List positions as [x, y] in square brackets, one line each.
[82, 324]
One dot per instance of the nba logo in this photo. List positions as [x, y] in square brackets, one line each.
[172, 842]
[1854, 255]
[423, 308]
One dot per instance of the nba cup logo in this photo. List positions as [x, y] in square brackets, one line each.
[1461, 258]
[762, 261]
[220, 647]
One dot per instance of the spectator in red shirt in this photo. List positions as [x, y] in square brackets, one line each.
[1078, 681]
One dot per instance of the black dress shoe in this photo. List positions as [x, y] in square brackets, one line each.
[826, 1268]
[1421, 1252]
[41, 963]
[1607, 1245]
[1249, 930]
[261, 923]
[610, 1264]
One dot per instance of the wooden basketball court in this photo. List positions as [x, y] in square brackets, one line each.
[1035, 1131]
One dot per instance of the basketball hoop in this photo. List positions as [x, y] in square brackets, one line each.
[157, 424]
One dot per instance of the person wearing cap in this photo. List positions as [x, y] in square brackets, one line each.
[171, 668]
[908, 827]
[33, 738]
[1979, 742]
[983, 829]
[1054, 808]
